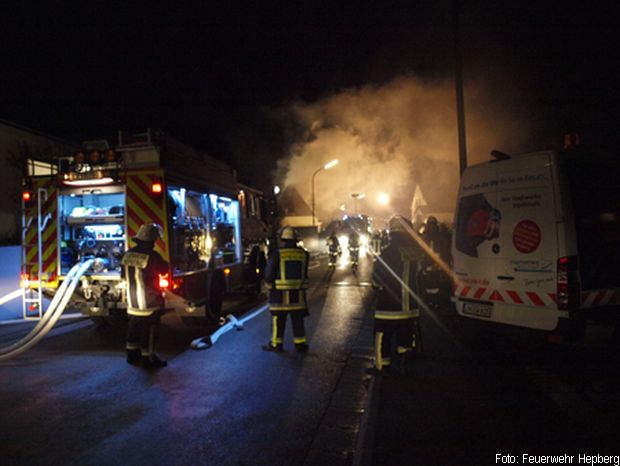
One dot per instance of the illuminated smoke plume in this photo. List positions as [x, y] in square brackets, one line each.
[390, 138]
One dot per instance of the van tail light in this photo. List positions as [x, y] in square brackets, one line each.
[164, 282]
[567, 283]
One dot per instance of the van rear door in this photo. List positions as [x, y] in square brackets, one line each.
[527, 249]
[475, 228]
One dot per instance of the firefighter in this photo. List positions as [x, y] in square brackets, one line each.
[394, 279]
[333, 246]
[287, 277]
[354, 248]
[376, 243]
[142, 268]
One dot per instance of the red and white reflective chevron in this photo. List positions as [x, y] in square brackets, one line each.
[594, 298]
[527, 298]
[533, 298]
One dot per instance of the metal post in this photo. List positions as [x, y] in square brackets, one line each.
[313, 175]
[458, 78]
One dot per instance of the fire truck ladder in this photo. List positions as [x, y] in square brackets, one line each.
[33, 297]
[51, 315]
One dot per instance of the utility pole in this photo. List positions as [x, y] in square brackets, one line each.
[458, 79]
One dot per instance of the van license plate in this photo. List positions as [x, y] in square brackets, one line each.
[478, 309]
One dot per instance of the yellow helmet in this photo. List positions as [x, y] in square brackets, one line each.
[148, 232]
[288, 233]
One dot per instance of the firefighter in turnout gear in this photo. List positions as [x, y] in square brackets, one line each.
[394, 279]
[287, 277]
[333, 246]
[142, 268]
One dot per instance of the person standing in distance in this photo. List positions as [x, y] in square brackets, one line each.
[287, 277]
[141, 268]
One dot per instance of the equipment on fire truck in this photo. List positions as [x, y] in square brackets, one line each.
[95, 200]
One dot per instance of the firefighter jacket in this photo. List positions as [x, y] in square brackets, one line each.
[394, 277]
[141, 267]
[287, 277]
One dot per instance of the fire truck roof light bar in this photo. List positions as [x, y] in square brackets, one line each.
[90, 182]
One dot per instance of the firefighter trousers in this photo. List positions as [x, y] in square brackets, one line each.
[142, 332]
[393, 335]
[278, 324]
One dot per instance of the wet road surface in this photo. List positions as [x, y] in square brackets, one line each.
[73, 399]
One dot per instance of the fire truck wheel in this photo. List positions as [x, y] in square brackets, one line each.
[216, 295]
[193, 321]
[116, 320]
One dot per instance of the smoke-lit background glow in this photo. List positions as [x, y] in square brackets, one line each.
[388, 139]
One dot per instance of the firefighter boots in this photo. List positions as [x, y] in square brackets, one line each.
[133, 356]
[269, 347]
[153, 362]
[302, 347]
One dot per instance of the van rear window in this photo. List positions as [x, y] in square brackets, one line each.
[595, 194]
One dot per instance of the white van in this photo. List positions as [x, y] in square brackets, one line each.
[537, 239]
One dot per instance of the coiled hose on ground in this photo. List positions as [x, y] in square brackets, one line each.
[52, 314]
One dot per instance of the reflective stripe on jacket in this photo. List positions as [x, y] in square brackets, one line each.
[397, 315]
[141, 269]
[287, 276]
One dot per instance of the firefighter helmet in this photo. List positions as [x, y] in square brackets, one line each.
[148, 232]
[288, 233]
[431, 220]
[397, 223]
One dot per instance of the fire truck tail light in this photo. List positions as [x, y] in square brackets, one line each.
[157, 187]
[26, 196]
[110, 155]
[24, 280]
[95, 156]
[164, 283]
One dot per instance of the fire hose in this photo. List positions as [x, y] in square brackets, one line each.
[51, 315]
[230, 322]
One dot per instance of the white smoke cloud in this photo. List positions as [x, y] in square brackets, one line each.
[390, 138]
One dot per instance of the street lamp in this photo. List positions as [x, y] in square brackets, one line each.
[383, 198]
[327, 166]
[357, 196]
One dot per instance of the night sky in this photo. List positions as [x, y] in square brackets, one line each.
[218, 75]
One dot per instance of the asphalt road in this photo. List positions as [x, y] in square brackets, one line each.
[74, 400]
[479, 391]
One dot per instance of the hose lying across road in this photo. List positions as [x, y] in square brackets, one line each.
[51, 315]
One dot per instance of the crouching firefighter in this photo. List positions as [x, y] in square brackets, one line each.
[287, 277]
[394, 279]
[141, 268]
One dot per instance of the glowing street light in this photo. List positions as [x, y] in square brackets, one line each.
[383, 198]
[327, 166]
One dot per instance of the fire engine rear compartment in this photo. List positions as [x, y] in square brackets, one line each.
[92, 225]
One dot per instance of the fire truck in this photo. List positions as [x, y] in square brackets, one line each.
[91, 204]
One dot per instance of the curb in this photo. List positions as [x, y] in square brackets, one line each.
[366, 436]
